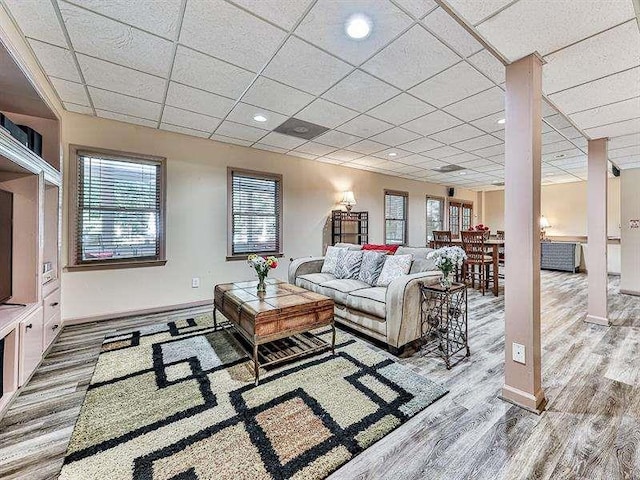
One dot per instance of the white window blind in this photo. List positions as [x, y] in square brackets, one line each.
[395, 214]
[256, 214]
[119, 209]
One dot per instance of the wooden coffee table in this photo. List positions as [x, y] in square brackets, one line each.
[278, 323]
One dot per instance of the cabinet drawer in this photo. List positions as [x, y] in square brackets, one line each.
[51, 305]
[30, 344]
[51, 330]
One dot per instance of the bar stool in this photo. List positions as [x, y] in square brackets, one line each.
[476, 250]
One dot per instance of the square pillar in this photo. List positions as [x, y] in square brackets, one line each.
[597, 232]
[523, 382]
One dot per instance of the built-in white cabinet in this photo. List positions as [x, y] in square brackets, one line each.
[30, 348]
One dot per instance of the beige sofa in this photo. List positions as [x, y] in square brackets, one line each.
[388, 314]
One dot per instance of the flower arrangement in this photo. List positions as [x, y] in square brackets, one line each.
[481, 228]
[262, 265]
[447, 259]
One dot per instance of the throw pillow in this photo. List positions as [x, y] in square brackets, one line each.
[390, 249]
[331, 259]
[371, 266]
[349, 264]
[421, 262]
[395, 266]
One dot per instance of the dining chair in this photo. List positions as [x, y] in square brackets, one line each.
[441, 238]
[476, 250]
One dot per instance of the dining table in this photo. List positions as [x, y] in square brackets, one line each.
[493, 247]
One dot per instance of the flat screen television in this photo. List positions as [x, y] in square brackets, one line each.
[6, 244]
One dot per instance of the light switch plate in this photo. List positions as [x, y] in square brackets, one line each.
[195, 282]
[517, 352]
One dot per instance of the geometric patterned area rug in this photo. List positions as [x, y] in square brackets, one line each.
[177, 401]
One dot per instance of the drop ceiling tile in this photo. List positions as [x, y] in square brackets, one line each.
[490, 123]
[452, 85]
[457, 134]
[395, 136]
[551, 137]
[241, 132]
[184, 130]
[432, 122]
[409, 170]
[615, 129]
[70, 91]
[421, 145]
[416, 159]
[308, 156]
[606, 53]
[488, 166]
[571, 133]
[461, 158]
[284, 141]
[184, 118]
[276, 96]
[478, 143]
[392, 154]
[360, 91]
[303, 66]
[367, 147]
[367, 161]
[625, 151]
[229, 33]
[314, 148]
[614, 88]
[198, 101]
[364, 126]
[441, 24]
[557, 147]
[400, 109]
[329, 160]
[37, 20]
[344, 155]
[497, 159]
[616, 112]
[284, 13]
[109, 40]
[156, 16]
[525, 26]
[490, 151]
[412, 58]
[126, 118]
[489, 65]
[235, 141]
[109, 76]
[480, 163]
[324, 26]
[72, 107]
[443, 152]
[56, 61]
[481, 104]
[243, 113]
[325, 113]
[557, 121]
[500, 134]
[115, 102]
[417, 8]
[337, 139]
[270, 148]
[624, 141]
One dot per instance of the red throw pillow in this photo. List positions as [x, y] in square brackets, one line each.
[390, 249]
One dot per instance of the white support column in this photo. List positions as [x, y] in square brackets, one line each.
[596, 260]
[523, 381]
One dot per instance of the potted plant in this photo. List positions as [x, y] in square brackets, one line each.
[262, 265]
[447, 259]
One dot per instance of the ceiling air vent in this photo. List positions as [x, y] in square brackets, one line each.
[300, 129]
[449, 168]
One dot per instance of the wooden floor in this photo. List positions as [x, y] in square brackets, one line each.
[591, 376]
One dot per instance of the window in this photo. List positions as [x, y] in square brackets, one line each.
[460, 217]
[395, 217]
[255, 213]
[435, 216]
[118, 206]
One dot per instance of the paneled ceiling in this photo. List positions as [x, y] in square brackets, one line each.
[419, 93]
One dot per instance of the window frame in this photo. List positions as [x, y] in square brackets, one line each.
[443, 209]
[405, 195]
[75, 151]
[461, 205]
[260, 175]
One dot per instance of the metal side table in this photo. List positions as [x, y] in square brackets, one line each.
[443, 320]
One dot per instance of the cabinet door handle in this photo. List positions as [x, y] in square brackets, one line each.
[29, 326]
[55, 304]
[54, 327]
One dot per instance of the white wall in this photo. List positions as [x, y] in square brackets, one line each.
[197, 215]
[630, 242]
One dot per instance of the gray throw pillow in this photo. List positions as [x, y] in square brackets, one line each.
[395, 266]
[371, 266]
[349, 264]
[331, 259]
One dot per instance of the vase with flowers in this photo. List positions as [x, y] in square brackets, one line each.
[447, 259]
[481, 228]
[262, 265]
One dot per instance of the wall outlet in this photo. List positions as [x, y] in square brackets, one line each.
[195, 282]
[517, 352]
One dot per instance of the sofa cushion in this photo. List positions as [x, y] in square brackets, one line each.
[349, 246]
[371, 266]
[331, 259]
[340, 288]
[421, 262]
[312, 281]
[348, 264]
[395, 266]
[369, 300]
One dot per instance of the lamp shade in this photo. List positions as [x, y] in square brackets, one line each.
[544, 223]
[348, 198]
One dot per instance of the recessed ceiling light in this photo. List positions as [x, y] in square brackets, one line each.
[358, 27]
[502, 121]
[392, 154]
[463, 173]
[260, 118]
[301, 129]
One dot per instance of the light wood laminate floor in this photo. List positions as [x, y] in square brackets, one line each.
[591, 376]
